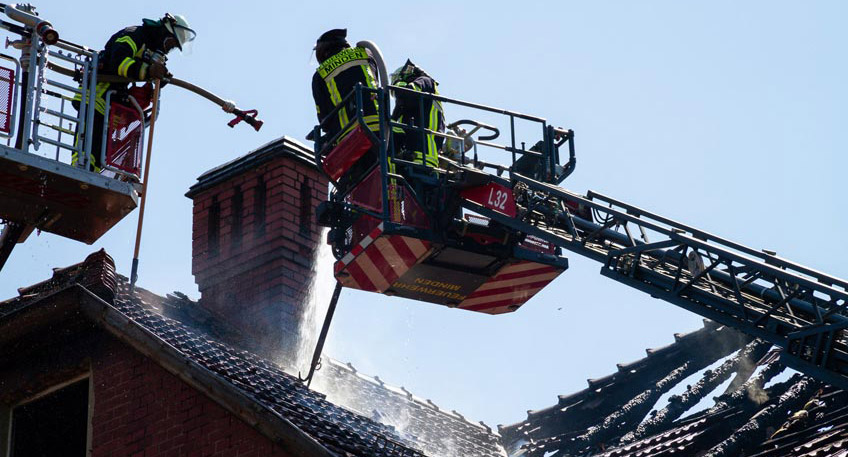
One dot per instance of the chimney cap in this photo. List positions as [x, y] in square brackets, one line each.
[281, 147]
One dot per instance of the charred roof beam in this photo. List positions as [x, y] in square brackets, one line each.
[678, 405]
[755, 430]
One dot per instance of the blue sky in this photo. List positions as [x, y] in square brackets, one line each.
[728, 116]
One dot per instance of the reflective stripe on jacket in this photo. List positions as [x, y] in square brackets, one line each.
[122, 56]
[425, 147]
[334, 79]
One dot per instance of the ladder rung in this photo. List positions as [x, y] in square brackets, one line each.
[57, 128]
[64, 57]
[56, 143]
[64, 116]
[75, 90]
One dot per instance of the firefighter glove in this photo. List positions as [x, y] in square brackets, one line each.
[158, 71]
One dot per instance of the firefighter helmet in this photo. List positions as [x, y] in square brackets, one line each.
[329, 43]
[403, 74]
[406, 73]
[177, 25]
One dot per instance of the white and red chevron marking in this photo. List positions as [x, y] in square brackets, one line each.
[379, 260]
[512, 286]
[363, 243]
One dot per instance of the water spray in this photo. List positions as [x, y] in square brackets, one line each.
[316, 356]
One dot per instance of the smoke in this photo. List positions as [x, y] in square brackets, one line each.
[340, 393]
[747, 366]
[414, 421]
[351, 390]
[754, 391]
[757, 395]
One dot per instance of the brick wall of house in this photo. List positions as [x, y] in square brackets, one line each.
[142, 410]
[253, 240]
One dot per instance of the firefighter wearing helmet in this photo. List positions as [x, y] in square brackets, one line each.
[137, 53]
[340, 68]
[421, 147]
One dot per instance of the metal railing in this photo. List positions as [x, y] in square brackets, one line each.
[11, 83]
[797, 308]
[55, 101]
[480, 152]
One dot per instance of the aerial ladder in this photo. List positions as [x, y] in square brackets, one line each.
[486, 235]
[41, 188]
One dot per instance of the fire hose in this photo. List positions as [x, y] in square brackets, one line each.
[248, 116]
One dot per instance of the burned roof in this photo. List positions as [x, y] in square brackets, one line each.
[239, 380]
[605, 396]
[613, 417]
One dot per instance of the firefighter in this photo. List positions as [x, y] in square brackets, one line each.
[340, 68]
[137, 53]
[420, 147]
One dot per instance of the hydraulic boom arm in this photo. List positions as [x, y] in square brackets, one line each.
[794, 307]
[801, 310]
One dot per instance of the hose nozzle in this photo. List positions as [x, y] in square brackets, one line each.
[47, 33]
[25, 14]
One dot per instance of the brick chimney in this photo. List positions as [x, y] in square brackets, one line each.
[253, 240]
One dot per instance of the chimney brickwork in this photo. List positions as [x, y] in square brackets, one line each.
[253, 241]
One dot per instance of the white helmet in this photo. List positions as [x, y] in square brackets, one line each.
[178, 26]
